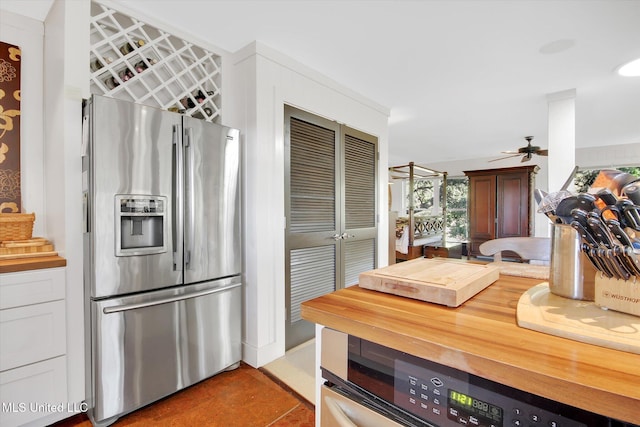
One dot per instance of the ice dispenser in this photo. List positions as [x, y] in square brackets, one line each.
[140, 224]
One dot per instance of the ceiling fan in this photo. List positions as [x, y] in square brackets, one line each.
[526, 152]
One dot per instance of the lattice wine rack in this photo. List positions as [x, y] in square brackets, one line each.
[134, 61]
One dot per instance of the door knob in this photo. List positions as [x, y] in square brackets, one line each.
[342, 236]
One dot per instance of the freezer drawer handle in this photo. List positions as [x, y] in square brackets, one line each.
[127, 307]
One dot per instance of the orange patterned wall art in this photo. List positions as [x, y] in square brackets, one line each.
[10, 197]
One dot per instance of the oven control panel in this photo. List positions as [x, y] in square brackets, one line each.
[429, 394]
[449, 401]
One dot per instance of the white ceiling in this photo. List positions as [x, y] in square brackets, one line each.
[464, 79]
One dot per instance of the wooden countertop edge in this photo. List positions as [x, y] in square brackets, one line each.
[35, 263]
[583, 396]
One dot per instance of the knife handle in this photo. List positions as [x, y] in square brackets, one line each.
[616, 229]
[581, 216]
[600, 232]
[607, 196]
[632, 216]
[584, 233]
[619, 269]
[633, 260]
[632, 191]
[611, 213]
[586, 201]
[604, 266]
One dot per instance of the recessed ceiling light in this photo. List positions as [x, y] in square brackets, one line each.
[630, 69]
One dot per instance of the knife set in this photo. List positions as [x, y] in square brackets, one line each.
[607, 219]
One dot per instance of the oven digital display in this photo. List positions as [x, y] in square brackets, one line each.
[463, 406]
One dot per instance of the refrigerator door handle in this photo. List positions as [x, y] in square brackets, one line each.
[189, 198]
[127, 307]
[178, 194]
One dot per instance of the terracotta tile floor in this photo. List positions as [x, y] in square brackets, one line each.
[244, 397]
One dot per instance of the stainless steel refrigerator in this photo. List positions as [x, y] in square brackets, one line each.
[162, 251]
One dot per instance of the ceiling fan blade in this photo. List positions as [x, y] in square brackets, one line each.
[542, 152]
[510, 152]
[502, 158]
[525, 158]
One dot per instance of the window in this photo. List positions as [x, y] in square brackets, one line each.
[423, 196]
[427, 199]
[457, 222]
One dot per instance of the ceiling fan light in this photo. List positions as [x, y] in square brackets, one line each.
[630, 69]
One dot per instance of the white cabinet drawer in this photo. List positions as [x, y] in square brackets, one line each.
[31, 287]
[32, 333]
[33, 392]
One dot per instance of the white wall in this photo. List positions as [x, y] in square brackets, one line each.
[264, 82]
[66, 82]
[608, 157]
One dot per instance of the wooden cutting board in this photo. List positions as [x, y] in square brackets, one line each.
[14, 249]
[439, 280]
[36, 241]
[584, 321]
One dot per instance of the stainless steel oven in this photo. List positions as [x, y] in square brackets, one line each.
[367, 384]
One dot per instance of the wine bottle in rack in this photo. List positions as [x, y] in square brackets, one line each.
[141, 65]
[124, 75]
[187, 102]
[207, 114]
[128, 47]
[97, 64]
[111, 82]
[200, 97]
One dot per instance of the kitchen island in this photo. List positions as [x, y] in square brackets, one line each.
[482, 337]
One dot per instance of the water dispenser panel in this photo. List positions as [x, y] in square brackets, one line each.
[140, 225]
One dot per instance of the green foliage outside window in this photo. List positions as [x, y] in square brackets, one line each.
[457, 193]
[422, 195]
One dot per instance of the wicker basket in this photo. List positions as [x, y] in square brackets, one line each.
[16, 226]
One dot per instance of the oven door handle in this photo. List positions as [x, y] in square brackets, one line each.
[337, 413]
[135, 306]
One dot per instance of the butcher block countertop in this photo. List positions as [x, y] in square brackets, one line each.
[482, 337]
[35, 263]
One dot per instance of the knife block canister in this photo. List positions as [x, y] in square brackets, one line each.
[618, 295]
[572, 275]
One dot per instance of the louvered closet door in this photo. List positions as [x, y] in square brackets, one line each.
[359, 229]
[311, 184]
[331, 212]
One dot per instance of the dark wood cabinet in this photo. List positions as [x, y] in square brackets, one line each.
[500, 204]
